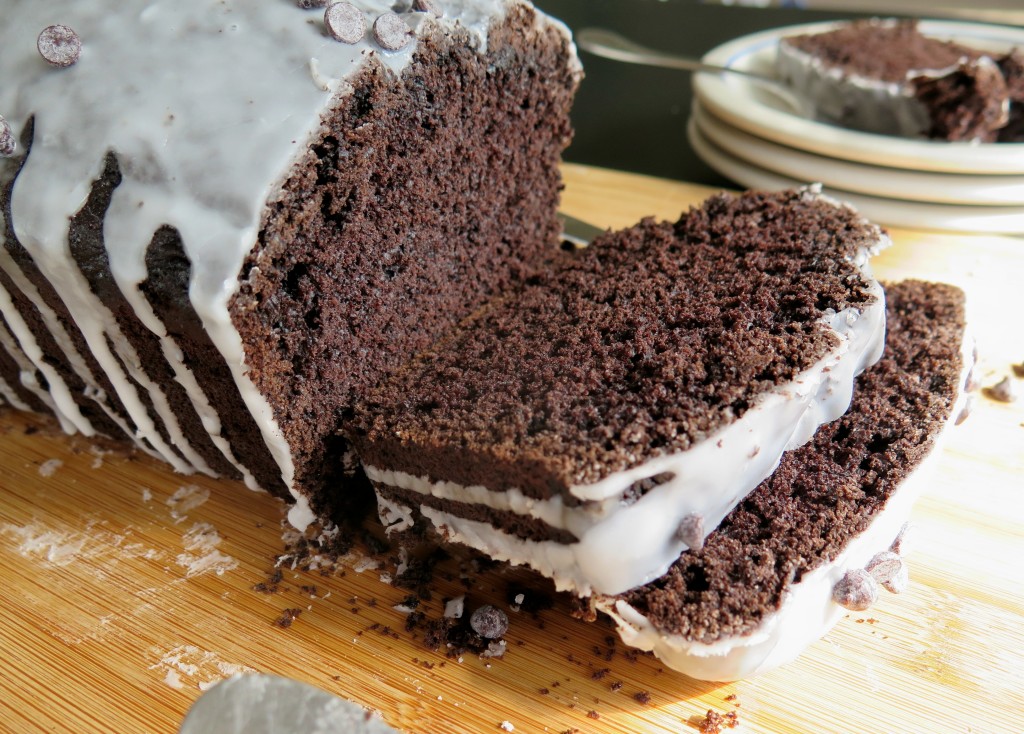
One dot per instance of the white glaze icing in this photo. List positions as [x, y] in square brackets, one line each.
[206, 104]
[709, 478]
[807, 611]
[858, 101]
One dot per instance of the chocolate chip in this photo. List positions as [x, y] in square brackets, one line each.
[1018, 369]
[898, 583]
[8, 143]
[965, 411]
[428, 6]
[391, 32]
[345, 22]
[310, 4]
[1003, 391]
[905, 540]
[691, 531]
[489, 622]
[856, 591]
[59, 45]
[884, 566]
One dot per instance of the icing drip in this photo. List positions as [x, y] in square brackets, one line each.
[206, 105]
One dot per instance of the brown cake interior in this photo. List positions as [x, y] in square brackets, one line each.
[641, 344]
[421, 200]
[883, 51]
[828, 490]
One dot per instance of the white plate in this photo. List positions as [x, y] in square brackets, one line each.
[747, 106]
[892, 212]
[942, 188]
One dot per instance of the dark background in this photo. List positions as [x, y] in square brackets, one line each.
[633, 118]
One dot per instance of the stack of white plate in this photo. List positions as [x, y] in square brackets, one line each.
[754, 137]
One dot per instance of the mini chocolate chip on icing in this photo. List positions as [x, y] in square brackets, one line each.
[8, 143]
[856, 591]
[1003, 391]
[904, 540]
[1018, 369]
[884, 566]
[489, 622]
[898, 583]
[428, 6]
[965, 412]
[691, 531]
[345, 22]
[59, 45]
[310, 4]
[391, 32]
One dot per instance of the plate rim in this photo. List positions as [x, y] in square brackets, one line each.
[889, 212]
[786, 160]
[725, 99]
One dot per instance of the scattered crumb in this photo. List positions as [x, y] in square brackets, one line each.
[616, 686]
[287, 617]
[643, 697]
[593, 715]
[506, 726]
[713, 722]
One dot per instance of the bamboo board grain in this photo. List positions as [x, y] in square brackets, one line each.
[113, 616]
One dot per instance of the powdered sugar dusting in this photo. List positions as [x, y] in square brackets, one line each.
[205, 668]
[185, 499]
[49, 467]
[201, 553]
[53, 546]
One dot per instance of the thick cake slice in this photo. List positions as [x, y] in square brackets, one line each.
[608, 415]
[884, 76]
[817, 538]
[222, 219]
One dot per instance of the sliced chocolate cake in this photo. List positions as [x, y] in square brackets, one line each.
[885, 76]
[608, 414]
[822, 535]
[223, 220]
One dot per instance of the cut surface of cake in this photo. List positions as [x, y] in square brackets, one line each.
[885, 76]
[821, 535]
[223, 220]
[646, 382]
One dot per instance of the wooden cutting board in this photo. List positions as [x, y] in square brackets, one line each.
[127, 589]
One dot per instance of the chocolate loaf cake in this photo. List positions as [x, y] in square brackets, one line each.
[649, 381]
[885, 76]
[223, 221]
[819, 537]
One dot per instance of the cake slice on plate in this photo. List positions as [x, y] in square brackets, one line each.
[607, 416]
[885, 76]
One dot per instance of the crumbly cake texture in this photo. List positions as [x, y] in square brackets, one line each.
[385, 257]
[830, 490]
[654, 377]
[886, 76]
[219, 281]
[648, 340]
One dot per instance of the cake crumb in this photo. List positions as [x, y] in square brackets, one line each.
[506, 726]
[642, 697]
[593, 715]
[287, 617]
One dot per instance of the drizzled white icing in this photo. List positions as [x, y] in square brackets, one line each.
[206, 105]
[807, 611]
[708, 479]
